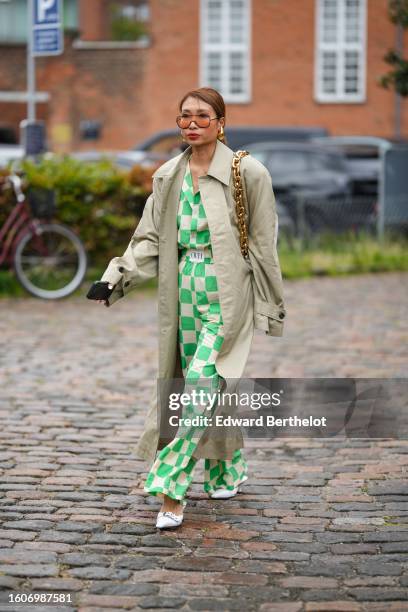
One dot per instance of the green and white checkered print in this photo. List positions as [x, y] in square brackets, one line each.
[200, 338]
[192, 222]
[225, 473]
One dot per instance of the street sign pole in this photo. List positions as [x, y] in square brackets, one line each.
[44, 38]
[30, 64]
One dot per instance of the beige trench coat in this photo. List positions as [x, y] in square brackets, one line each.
[251, 293]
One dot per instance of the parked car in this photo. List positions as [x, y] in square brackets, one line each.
[286, 225]
[315, 185]
[122, 159]
[363, 154]
[167, 143]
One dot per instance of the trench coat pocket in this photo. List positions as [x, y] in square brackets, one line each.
[268, 317]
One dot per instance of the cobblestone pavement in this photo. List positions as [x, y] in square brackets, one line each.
[321, 525]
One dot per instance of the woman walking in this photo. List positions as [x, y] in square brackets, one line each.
[210, 297]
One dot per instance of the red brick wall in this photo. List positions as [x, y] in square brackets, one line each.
[135, 92]
[172, 62]
[283, 48]
[91, 19]
[103, 85]
[13, 78]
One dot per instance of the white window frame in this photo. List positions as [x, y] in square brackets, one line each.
[14, 22]
[339, 48]
[224, 48]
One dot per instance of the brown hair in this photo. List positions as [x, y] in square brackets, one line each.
[212, 97]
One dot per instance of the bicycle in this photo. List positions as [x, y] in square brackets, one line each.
[49, 259]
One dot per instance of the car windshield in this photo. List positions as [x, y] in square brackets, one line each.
[167, 144]
[355, 150]
[326, 161]
[262, 156]
[361, 151]
[295, 162]
[282, 162]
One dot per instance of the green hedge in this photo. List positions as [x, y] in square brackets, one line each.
[100, 202]
[103, 205]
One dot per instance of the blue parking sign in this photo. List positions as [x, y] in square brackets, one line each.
[47, 41]
[46, 12]
[47, 36]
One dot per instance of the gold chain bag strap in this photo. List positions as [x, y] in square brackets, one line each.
[239, 204]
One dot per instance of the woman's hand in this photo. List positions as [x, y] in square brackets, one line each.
[110, 286]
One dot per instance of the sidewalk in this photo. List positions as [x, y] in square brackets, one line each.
[319, 525]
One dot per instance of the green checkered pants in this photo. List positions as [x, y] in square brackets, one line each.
[200, 339]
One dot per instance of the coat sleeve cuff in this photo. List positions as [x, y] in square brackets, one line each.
[275, 328]
[116, 294]
[269, 317]
[112, 274]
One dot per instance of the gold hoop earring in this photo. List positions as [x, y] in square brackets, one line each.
[221, 133]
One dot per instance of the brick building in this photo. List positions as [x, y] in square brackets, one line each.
[276, 62]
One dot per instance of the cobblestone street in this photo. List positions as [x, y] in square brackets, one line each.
[320, 525]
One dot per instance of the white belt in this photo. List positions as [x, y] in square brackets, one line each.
[197, 254]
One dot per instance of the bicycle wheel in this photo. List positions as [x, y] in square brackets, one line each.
[51, 261]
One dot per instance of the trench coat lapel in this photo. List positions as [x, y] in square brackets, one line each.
[220, 165]
[171, 179]
[168, 273]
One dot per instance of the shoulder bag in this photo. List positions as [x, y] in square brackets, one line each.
[239, 204]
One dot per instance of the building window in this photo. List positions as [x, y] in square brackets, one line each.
[14, 18]
[340, 60]
[225, 48]
[13, 21]
[129, 20]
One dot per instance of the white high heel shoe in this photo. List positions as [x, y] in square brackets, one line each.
[169, 519]
[226, 493]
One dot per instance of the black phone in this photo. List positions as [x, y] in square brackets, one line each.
[99, 291]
